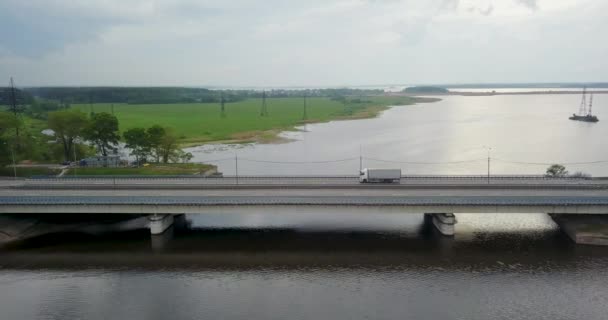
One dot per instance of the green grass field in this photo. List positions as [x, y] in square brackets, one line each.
[196, 123]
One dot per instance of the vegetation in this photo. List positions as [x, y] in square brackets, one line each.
[102, 131]
[556, 170]
[8, 122]
[68, 125]
[137, 140]
[155, 131]
[157, 142]
[425, 89]
[151, 170]
[40, 108]
[168, 95]
[28, 171]
[124, 94]
[197, 123]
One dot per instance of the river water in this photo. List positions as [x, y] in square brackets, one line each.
[344, 265]
[446, 137]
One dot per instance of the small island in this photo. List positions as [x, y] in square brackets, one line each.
[425, 90]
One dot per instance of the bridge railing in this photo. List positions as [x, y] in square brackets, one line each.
[312, 177]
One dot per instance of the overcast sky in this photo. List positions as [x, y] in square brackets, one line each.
[301, 43]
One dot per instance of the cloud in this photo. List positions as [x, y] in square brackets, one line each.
[532, 4]
[314, 42]
[488, 11]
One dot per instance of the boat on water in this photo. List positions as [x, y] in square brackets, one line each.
[584, 113]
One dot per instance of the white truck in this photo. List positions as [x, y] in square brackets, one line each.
[368, 175]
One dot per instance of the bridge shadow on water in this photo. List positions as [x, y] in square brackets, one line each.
[418, 246]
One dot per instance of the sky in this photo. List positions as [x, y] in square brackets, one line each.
[301, 43]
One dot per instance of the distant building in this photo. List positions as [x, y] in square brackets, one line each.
[100, 161]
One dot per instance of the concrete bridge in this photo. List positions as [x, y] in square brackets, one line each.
[439, 197]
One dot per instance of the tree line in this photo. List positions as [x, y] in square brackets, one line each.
[75, 135]
[101, 130]
[55, 97]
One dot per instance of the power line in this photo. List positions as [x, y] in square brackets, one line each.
[551, 163]
[403, 162]
[298, 162]
[216, 160]
[419, 162]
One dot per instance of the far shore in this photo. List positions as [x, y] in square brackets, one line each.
[272, 136]
[492, 93]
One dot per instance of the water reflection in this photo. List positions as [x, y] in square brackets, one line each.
[208, 268]
[344, 239]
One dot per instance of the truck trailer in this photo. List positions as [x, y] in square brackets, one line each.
[368, 175]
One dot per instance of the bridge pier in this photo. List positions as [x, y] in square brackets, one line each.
[443, 222]
[159, 223]
[589, 229]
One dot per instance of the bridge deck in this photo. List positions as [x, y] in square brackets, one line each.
[517, 194]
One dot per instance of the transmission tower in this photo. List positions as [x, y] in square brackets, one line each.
[264, 110]
[590, 103]
[583, 108]
[92, 111]
[305, 115]
[14, 105]
[222, 106]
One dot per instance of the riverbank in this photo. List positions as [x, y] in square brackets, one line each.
[160, 169]
[167, 169]
[201, 123]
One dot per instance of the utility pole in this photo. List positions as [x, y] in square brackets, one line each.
[92, 112]
[305, 115]
[489, 148]
[360, 159]
[264, 111]
[236, 167]
[222, 106]
[75, 162]
[14, 164]
[14, 107]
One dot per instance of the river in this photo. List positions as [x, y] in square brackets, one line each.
[344, 265]
[525, 134]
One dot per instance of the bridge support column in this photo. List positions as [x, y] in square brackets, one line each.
[588, 229]
[444, 222]
[159, 223]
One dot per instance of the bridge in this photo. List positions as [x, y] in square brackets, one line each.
[438, 197]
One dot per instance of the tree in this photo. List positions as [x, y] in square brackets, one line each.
[155, 137]
[181, 156]
[168, 145]
[556, 170]
[7, 121]
[102, 130]
[68, 125]
[137, 140]
[187, 157]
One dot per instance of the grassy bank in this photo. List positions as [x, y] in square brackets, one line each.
[198, 123]
[28, 172]
[171, 169]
